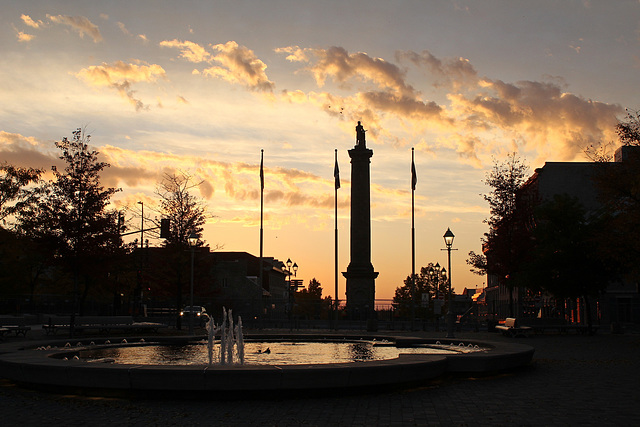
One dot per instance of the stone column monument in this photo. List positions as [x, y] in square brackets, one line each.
[360, 276]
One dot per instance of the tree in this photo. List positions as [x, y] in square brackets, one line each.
[505, 179]
[629, 130]
[187, 215]
[619, 193]
[19, 260]
[70, 217]
[431, 281]
[506, 242]
[309, 301]
[13, 194]
[566, 261]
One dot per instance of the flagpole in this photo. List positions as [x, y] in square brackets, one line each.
[336, 175]
[413, 239]
[261, 214]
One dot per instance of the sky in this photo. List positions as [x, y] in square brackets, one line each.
[201, 87]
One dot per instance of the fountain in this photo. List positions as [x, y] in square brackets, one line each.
[58, 367]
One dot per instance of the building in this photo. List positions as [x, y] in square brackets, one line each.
[620, 302]
[220, 279]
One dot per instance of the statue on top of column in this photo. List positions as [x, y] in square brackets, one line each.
[360, 141]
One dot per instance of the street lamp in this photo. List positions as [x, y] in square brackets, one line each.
[141, 225]
[448, 241]
[193, 241]
[290, 266]
[437, 274]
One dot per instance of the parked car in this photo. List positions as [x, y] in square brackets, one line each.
[199, 314]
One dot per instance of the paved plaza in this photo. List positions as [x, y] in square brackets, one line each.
[573, 380]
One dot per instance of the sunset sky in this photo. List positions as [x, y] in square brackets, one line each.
[203, 86]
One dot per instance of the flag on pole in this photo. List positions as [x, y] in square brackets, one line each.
[336, 173]
[414, 177]
[261, 171]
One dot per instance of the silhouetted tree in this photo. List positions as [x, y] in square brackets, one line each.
[187, 214]
[18, 256]
[71, 218]
[505, 179]
[629, 130]
[429, 281]
[309, 301]
[619, 195]
[565, 260]
[505, 243]
[13, 192]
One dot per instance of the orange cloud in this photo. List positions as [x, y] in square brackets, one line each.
[190, 51]
[24, 37]
[480, 117]
[341, 66]
[30, 22]
[537, 115]
[120, 76]
[240, 65]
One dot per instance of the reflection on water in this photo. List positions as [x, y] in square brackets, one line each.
[267, 353]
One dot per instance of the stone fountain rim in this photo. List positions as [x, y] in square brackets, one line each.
[26, 366]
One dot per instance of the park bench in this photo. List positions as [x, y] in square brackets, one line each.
[102, 324]
[14, 325]
[510, 328]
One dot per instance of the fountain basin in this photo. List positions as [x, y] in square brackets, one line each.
[39, 368]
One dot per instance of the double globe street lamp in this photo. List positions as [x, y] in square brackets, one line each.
[448, 241]
[437, 273]
[291, 267]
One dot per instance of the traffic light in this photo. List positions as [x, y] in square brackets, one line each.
[121, 224]
[165, 226]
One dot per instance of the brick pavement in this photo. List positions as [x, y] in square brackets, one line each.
[573, 380]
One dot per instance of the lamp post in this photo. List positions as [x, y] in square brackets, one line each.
[448, 241]
[193, 241]
[137, 297]
[141, 225]
[290, 288]
[437, 273]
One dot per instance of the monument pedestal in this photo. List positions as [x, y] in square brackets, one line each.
[360, 292]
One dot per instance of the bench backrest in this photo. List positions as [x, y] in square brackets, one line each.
[510, 322]
[12, 321]
[104, 320]
[89, 320]
[57, 320]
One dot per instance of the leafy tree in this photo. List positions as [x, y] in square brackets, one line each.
[309, 301]
[565, 259]
[71, 218]
[505, 179]
[13, 194]
[618, 185]
[506, 243]
[431, 280]
[18, 256]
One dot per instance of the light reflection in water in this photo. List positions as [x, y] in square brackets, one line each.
[266, 353]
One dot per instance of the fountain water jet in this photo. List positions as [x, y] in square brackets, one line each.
[230, 337]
